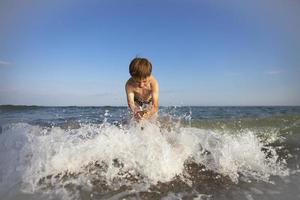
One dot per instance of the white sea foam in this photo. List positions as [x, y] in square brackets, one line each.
[30, 153]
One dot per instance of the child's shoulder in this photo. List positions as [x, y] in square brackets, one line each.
[153, 80]
[129, 82]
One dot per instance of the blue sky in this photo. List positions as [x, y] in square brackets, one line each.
[204, 52]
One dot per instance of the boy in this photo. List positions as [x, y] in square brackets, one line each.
[142, 90]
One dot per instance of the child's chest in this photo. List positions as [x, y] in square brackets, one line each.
[143, 92]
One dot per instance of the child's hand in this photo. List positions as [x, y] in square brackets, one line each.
[139, 115]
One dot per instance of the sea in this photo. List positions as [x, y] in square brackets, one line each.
[188, 152]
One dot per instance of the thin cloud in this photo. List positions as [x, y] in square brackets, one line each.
[4, 63]
[233, 74]
[102, 94]
[273, 72]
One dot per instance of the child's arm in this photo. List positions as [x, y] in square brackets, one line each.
[155, 93]
[130, 102]
[130, 97]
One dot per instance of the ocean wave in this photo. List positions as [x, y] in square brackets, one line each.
[145, 156]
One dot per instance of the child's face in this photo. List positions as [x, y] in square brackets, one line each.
[141, 82]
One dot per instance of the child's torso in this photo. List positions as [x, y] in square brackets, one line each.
[144, 93]
[143, 96]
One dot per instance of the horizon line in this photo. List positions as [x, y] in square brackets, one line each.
[23, 105]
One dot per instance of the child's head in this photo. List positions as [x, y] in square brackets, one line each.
[140, 68]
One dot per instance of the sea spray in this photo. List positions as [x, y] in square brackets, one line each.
[51, 158]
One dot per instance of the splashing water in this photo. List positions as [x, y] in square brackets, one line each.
[136, 156]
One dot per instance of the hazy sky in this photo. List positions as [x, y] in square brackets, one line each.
[204, 52]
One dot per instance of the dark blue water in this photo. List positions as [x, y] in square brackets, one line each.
[58, 115]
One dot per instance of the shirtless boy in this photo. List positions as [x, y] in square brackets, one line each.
[142, 90]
